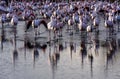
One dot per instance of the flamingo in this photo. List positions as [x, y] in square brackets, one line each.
[55, 25]
[118, 9]
[66, 18]
[9, 15]
[82, 25]
[89, 29]
[75, 18]
[109, 24]
[14, 20]
[96, 23]
[71, 7]
[93, 15]
[118, 21]
[36, 24]
[52, 24]
[3, 18]
[3, 8]
[60, 25]
[70, 23]
[28, 14]
[47, 15]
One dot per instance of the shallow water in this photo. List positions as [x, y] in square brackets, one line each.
[70, 65]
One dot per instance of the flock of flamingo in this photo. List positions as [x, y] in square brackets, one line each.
[82, 16]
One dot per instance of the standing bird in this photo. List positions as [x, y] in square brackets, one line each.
[14, 20]
[70, 25]
[109, 24]
[3, 19]
[36, 25]
[96, 23]
[52, 26]
[82, 25]
[118, 21]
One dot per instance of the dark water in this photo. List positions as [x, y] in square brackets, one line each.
[61, 59]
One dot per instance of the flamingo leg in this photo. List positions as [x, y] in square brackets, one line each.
[49, 35]
[118, 26]
[2, 36]
[67, 28]
[61, 32]
[35, 32]
[107, 32]
[71, 30]
[54, 34]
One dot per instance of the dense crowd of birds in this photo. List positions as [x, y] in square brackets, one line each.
[81, 15]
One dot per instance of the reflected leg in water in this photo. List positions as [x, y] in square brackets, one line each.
[111, 50]
[43, 47]
[96, 43]
[2, 36]
[15, 57]
[83, 52]
[25, 41]
[35, 53]
[91, 63]
[71, 49]
[15, 52]
[35, 56]
[54, 58]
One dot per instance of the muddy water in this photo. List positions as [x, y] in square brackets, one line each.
[70, 63]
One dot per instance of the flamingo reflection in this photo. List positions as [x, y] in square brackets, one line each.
[90, 57]
[111, 50]
[61, 47]
[15, 52]
[2, 32]
[83, 51]
[35, 52]
[54, 58]
[2, 37]
[35, 56]
[95, 42]
[43, 47]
